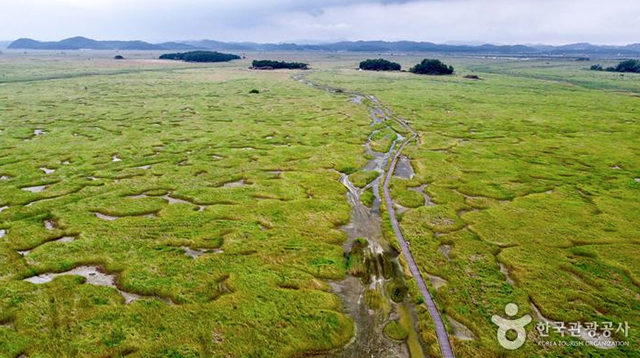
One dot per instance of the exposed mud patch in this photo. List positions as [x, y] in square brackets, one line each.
[505, 272]
[357, 99]
[446, 251]
[436, 281]
[93, 276]
[196, 253]
[460, 331]
[420, 190]
[66, 239]
[400, 209]
[106, 217]
[32, 203]
[235, 184]
[172, 200]
[35, 189]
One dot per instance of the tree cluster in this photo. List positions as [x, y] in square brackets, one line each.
[278, 65]
[432, 67]
[624, 66]
[379, 65]
[200, 56]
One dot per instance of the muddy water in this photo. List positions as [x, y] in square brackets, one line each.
[404, 169]
[382, 272]
[377, 272]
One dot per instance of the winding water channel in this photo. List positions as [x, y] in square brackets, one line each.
[375, 294]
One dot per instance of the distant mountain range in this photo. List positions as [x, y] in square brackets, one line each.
[83, 43]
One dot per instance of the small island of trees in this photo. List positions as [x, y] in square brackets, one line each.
[200, 56]
[632, 66]
[379, 65]
[278, 65]
[432, 67]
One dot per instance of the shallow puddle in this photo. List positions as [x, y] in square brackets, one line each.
[3, 208]
[144, 167]
[39, 132]
[5, 177]
[3, 233]
[404, 169]
[35, 189]
[115, 159]
[47, 170]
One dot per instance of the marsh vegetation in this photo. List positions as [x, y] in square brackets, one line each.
[190, 216]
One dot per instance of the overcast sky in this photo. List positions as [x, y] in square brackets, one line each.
[469, 21]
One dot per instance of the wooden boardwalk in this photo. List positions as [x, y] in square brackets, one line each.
[441, 330]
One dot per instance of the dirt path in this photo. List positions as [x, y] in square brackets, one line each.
[385, 114]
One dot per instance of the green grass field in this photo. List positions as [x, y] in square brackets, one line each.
[534, 172]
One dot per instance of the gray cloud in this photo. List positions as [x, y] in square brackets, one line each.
[500, 21]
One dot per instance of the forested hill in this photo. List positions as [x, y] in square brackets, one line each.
[81, 43]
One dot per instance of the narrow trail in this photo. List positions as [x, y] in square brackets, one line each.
[387, 114]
